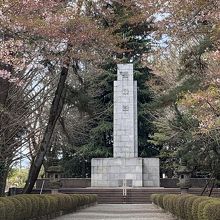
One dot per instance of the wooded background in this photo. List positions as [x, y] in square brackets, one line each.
[58, 62]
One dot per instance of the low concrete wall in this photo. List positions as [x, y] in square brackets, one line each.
[66, 183]
[86, 182]
[172, 183]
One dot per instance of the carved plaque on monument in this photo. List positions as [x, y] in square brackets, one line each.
[125, 108]
[125, 91]
[124, 74]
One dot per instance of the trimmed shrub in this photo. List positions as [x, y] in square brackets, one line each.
[19, 215]
[54, 201]
[80, 199]
[74, 201]
[35, 202]
[195, 206]
[160, 200]
[49, 203]
[153, 198]
[188, 205]
[169, 202]
[44, 205]
[201, 207]
[93, 198]
[2, 210]
[62, 202]
[180, 207]
[166, 202]
[211, 210]
[26, 207]
[68, 204]
[9, 208]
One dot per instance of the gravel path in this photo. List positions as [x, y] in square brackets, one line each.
[119, 211]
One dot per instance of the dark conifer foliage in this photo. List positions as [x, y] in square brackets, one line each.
[135, 44]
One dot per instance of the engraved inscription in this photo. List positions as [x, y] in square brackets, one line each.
[125, 91]
[125, 108]
[124, 75]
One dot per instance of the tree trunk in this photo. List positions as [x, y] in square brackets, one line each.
[3, 177]
[55, 111]
[4, 89]
[3, 184]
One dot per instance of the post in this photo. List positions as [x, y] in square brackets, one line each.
[42, 186]
[124, 190]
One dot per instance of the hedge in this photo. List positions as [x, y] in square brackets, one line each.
[2, 210]
[212, 210]
[9, 208]
[189, 207]
[32, 206]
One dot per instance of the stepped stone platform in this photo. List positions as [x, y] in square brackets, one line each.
[122, 211]
[110, 172]
[134, 195]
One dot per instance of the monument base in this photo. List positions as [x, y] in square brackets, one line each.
[138, 172]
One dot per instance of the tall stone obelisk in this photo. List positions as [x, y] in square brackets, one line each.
[125, 164]
[125, 113]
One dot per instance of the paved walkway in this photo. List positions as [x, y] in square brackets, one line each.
[119, 211]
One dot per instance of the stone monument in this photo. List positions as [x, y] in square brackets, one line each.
[125, 165]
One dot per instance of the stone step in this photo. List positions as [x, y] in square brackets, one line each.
[134, 195]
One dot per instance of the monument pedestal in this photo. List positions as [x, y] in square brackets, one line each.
[138, 172]
[125, 165]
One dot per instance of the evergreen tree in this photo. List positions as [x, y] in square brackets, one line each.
[178, 128]
[135, 43]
